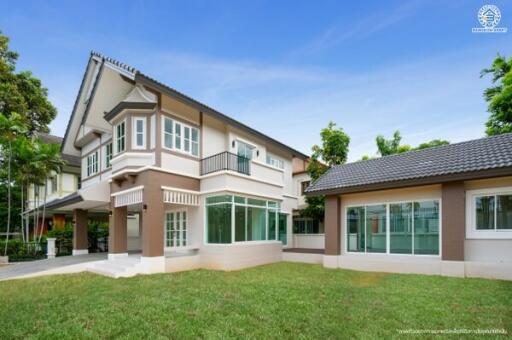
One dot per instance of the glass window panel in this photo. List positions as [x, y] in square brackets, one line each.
[272, 204]
[504, 212]
[195, 135]
[283, 223]
[219, 199]
[195, 149]
[240, 223]
[140, 141]
[256, 224]
[252, 201]
[376, 228]
[426, 227]
[218, 223]
[168, 125]
[168, 141]
[186, 138]
[140, 126]
[177, 139]
[484, 212]
[356, 231]
[239, 199]
[272, 224]
[400, 226]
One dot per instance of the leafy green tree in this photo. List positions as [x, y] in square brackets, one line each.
[392, 146]
[333, 151]
[22, 93]
[11, 128]
[499, 96]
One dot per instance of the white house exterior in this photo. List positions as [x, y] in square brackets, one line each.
[197, 182]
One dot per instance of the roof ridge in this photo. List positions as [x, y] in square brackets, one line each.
[430, 148]
[115, 62]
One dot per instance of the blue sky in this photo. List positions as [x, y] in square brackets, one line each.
[283, 67]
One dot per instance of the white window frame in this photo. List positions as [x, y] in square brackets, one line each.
[135, 146]
[274, 161]
[471, 231]
[388, 232]
[277, 209]
[116, 137]
[181, 137]
[186, 229]
[92, 164]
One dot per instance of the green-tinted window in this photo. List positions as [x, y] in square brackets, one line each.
[219, 199]
[272, 204]
[253, 201]
[484, 212]
[239, 199]
[400, 226]
[283, 222]
[256, 224]
[376, 228]
[356, 231]
[218, 223]
[504, 212]
[272, 224]
[240, 214]
[426, 227]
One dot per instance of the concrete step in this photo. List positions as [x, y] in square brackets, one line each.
[116, 268]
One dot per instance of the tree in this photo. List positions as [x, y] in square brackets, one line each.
[22, 92]
[499, 96]
[333, 151]
[392, 146]
[11, 128]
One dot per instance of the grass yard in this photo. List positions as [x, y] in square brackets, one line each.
[283, 300]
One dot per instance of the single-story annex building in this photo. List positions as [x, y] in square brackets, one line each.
[445, 210]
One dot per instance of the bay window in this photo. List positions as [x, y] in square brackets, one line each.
[181, 137]
[394, 228]
[240, 219]
[108, 155]
[489, 213]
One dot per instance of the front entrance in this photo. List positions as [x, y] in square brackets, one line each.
[176, 228]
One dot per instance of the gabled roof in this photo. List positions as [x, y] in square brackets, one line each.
[479, 158]
[140, 78]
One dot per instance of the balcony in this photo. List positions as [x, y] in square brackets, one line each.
[225, 161]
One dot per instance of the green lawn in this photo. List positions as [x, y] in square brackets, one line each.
[283, 300]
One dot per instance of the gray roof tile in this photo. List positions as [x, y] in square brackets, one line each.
[459, 158]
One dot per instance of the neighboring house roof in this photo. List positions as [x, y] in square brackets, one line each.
[51, 139]
[141, 78]
[480, 158]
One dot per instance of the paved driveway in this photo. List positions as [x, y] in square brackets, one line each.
[59, 265]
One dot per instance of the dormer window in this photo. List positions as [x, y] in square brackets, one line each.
[180, 137]
[120, 137]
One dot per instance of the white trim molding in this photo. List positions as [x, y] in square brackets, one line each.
[128, 197]
[180, 196]
[471, 231]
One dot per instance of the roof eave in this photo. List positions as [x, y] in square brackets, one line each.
[147, 81]
[464, 176]
[128, 106]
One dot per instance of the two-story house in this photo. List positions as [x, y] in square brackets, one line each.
[58, 186]
[197, 181]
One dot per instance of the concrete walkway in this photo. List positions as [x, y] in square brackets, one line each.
[59, 265]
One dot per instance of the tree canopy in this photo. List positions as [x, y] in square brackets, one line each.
[332, 151]
[22, 93]
[499, 96]
[386, 147]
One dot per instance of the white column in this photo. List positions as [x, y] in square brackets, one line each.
[50, 248]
